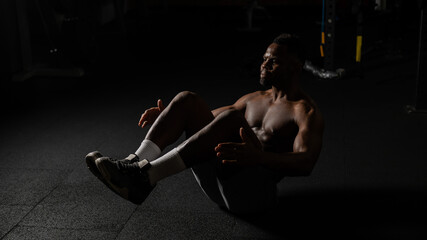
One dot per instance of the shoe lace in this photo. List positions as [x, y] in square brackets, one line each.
[128, 166]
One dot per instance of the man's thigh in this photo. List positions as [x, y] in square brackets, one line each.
[207, 178]
[250, 190]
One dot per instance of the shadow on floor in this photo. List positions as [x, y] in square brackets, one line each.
[348, 214]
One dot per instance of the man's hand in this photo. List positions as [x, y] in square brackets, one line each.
[246, 153]
[150, 115]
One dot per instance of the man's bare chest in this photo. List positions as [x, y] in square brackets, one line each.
[274, 124]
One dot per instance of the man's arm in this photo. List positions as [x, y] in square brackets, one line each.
[300, 162]
[239, 105]
[306, 149]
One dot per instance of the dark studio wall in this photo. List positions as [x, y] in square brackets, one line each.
[92, 34]
[9, 41]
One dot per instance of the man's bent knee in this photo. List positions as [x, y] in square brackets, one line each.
[187, 96]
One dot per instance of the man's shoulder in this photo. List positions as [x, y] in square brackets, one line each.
[306, 107]
[254, 95]
[306, 110]
[259, 93]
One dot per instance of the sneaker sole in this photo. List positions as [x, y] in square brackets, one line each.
[91, 165]
[90, 162]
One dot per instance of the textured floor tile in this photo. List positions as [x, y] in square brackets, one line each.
[178, 225]
[30, 233]
[179, 193]
[82, 202]
[28, 186]
[89, 215]
[10, 216]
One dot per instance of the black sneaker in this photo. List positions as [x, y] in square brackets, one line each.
[126, 179]
[91, 165]
[92, 156]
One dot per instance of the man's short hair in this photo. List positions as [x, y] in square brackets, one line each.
[293, 43]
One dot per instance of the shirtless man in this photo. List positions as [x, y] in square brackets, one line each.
[237, 153]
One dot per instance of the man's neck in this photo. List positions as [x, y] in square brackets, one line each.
[290, 91]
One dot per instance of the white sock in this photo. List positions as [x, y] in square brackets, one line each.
[148, 150]
[165, 166]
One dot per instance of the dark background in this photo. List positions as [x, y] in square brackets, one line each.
[88, 94]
